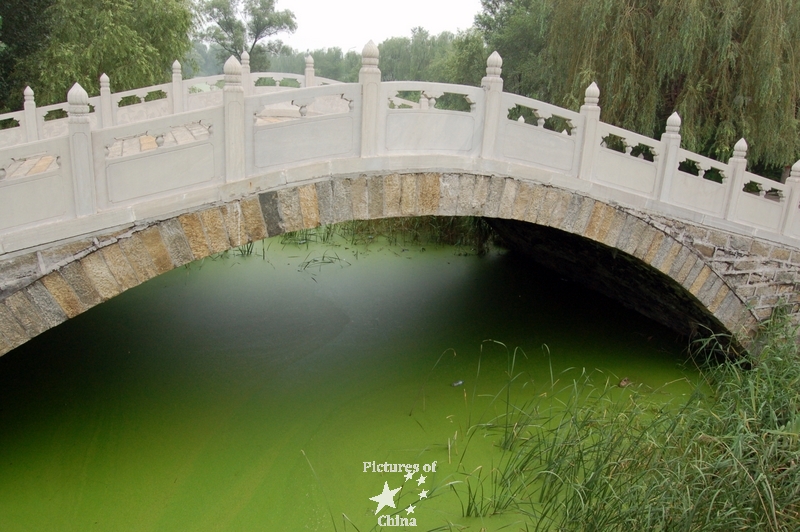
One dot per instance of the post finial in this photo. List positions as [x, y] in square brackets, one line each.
[176, 67]
[592, 94]
[370, 54]
[674, 123]
[310, 61]
[28, 93]
[78, 100]
[104, 81]
[740, 148]
[494, 65]
[795, 174]
[232, 67]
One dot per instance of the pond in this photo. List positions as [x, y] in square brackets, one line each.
[276, 391]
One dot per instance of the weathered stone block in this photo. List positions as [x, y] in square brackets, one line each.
[655, 245]
[291, 214]
[631, 234]
[508, 199]
[523, 201]
[673, 249]
[154, 244]
[184, 239]
[448, 194]
[193, 230]
[325, 202]
[408, 194]
[700, 281]
[10, 328]
[465, 190]
[17, 271]
[557, 202]
[59, 255]
[375, 193]
[26, 313]
[254, 223]
[538, 208]
[342, 200]
[744, 265]
[47, 306]
[309, 208]
[359, 193]
[760, 249]
[705, 250]
[495, 196]
[119, 266]
[480, 194]
[741, 243]
[428, 197]
[717, 238]
[781, 254]
[214, 226]
[716, 301]
[77, 279]
[100, 275]
[271, 210]
[392, 194]
[234, 223]
[138, 257]
[64, 295]
[697, 234]
[599, 222]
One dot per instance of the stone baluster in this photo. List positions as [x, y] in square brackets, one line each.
[670, 144]
[80, 148]
[107, 118]
[247, 83]
[370, 79]
[791, 207]
[233, 107]
[29, 108]
[177, 89]
[591, 117]
[310, 81]
[492, 85]
[737, 166]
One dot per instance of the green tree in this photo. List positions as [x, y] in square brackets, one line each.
[133, 41]
[730, 68]
[236, 26]
[419, 58]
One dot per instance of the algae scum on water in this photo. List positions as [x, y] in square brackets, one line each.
[248, 391]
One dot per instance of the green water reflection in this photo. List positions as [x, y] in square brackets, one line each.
[184, 404]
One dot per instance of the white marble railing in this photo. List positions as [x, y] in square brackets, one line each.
[113, 165]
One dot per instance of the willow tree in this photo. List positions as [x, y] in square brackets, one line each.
[730, 68]
[133, 41]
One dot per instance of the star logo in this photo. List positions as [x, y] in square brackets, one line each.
[423, 494]
[386, 498]
[409, 475]
[421, 480]
[410, 509]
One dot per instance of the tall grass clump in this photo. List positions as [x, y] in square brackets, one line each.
[589, 455]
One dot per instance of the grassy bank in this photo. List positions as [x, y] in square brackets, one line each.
[588, 457]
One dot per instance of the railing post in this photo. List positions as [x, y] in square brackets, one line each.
[233, 104]
[492, 85]
[793, 182]
[591, 117]
[106, 105]
[247, 84]
[309, 79]
[737, 165]
[31, 124]
[80, 148]
[370, 79]
[670, 144]
[177, 88]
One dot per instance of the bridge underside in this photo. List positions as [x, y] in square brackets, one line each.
[678, 273]
[617, 275]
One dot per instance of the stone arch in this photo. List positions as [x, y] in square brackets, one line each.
[66, 280]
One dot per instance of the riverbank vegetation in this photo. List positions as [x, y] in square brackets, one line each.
[582, 456]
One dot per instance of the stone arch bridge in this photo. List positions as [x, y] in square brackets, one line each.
[113, 195]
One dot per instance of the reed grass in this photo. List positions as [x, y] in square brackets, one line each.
[587, 456]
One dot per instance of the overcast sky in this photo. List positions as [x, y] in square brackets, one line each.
[349, 24]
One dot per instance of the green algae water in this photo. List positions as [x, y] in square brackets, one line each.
[302, 389]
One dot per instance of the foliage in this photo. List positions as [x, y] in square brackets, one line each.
[133, 41]
[24, 31]
[730, 68]
[236, 26]
[419, 58]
